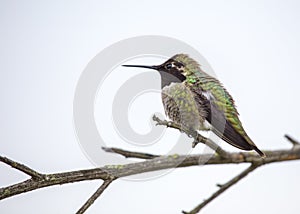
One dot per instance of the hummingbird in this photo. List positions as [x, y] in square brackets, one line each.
[197, 101]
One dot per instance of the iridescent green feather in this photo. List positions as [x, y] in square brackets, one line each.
[198, 78]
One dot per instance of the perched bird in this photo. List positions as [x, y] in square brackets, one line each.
[191, 97]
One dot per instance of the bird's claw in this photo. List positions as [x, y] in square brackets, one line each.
[194, 134]
[206, 129]
[194, 144]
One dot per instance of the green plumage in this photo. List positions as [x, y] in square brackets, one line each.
[196, 79]
[190, 97]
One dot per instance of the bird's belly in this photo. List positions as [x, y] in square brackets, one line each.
[181, 107]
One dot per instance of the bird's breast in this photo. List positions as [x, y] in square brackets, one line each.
[180, 105]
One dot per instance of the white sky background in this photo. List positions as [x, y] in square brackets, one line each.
[253, 47]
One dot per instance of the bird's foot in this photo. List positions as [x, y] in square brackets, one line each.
[169, 123]
[193, 134]
[205, 127]
[195, 143]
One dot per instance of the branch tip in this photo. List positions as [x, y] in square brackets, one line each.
[106, 149]
[129, 154]
[223, 188]
[23, 168]
[219, 185]
[292, 140]
[94, 197]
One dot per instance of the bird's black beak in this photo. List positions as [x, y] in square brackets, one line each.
[155, 67]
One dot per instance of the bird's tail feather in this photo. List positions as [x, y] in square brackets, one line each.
[231, 136]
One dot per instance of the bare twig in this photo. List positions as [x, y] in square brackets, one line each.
[223, 188]
[154, 162]
[129, 154]
[160, 163]
[21, 167]
[200, 138]
[96, 195]
[292, 140]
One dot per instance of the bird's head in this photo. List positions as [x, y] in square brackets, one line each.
[176, 69]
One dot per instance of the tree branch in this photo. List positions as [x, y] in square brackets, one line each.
[223, 188]
[154, 163]
[129, 154]
[96, 195]
[21, 167]
[200, 138]
[292, 140]
[159, 163]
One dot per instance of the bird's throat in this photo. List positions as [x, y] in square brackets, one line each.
[167, 78]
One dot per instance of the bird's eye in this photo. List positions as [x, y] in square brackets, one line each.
[168, 66]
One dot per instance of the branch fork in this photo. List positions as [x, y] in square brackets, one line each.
[151, 163]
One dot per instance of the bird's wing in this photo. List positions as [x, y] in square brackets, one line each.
[223, 116]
